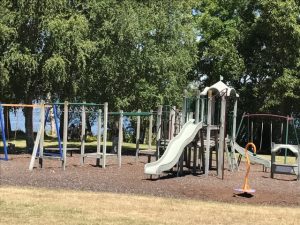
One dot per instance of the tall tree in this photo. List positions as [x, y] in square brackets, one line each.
[218, 24]
[270, 46]
[254, 45]
[46, 53]
[144, 51]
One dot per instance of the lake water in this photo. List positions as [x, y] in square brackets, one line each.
[17, 121]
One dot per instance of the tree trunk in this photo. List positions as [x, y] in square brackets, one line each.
[61, 123]
[29, 126]
[144, 126]
[7, 122]
[88, 126]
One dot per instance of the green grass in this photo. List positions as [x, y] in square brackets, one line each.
[280, 159]
[91, 143]
[42, 206]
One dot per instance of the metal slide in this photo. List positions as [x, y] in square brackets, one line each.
[174, 149]
[254, 159]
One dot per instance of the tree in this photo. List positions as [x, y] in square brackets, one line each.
[270, 46]
[45, 53]
[133, 54]
[144, 51]
[218, 24]
[254, 45]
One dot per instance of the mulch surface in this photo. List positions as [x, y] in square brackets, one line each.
[284, 190]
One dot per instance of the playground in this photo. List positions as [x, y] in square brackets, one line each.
[130, 179]
[197, 154]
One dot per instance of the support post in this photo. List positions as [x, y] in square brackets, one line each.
[99, 137]
[37, 139]
[83, 123]
[251, 132]
[188, 158]
[233, 160]
[202, 108]
[120, 138]
[150, 130]
[158, 130]
[105, 133]
[197, 107]
[195, 156]
[137, 138]
[207, 153]
[65, 134]
[298, 177]
[3, 133]
[35, 148]
[234, 121]
[172, 122]
[184, 112]
[181, 159]
[271, 134]
[222, 136]
[286, 139]
[42, 127]
[202, 152]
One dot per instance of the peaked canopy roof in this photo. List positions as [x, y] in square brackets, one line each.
[220, 87]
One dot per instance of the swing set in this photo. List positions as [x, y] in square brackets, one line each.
[257, 125]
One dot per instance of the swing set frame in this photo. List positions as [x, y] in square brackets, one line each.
[288, 119]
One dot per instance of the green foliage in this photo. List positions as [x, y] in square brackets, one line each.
[254, 45]
[268, 47]
[145, 50]
[138, 54]
[218, 24]
[286, 95]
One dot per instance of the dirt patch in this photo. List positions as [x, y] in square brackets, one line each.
[130, 178]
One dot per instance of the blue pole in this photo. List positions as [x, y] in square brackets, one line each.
[57, 130]
[3, 134]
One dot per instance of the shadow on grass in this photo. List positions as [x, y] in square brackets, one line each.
[171, 174]
[244, 195]
[282, 179]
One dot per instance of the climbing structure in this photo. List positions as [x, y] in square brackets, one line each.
[207, 134]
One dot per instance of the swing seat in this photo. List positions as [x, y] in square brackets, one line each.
[281, 168]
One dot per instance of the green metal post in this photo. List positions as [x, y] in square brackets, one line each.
[286, 139]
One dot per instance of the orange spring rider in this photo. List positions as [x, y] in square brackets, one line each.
[246, 188]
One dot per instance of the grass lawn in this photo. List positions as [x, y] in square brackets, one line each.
[42, 206]
[280, 159]
[20, 144]
[92, 143]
